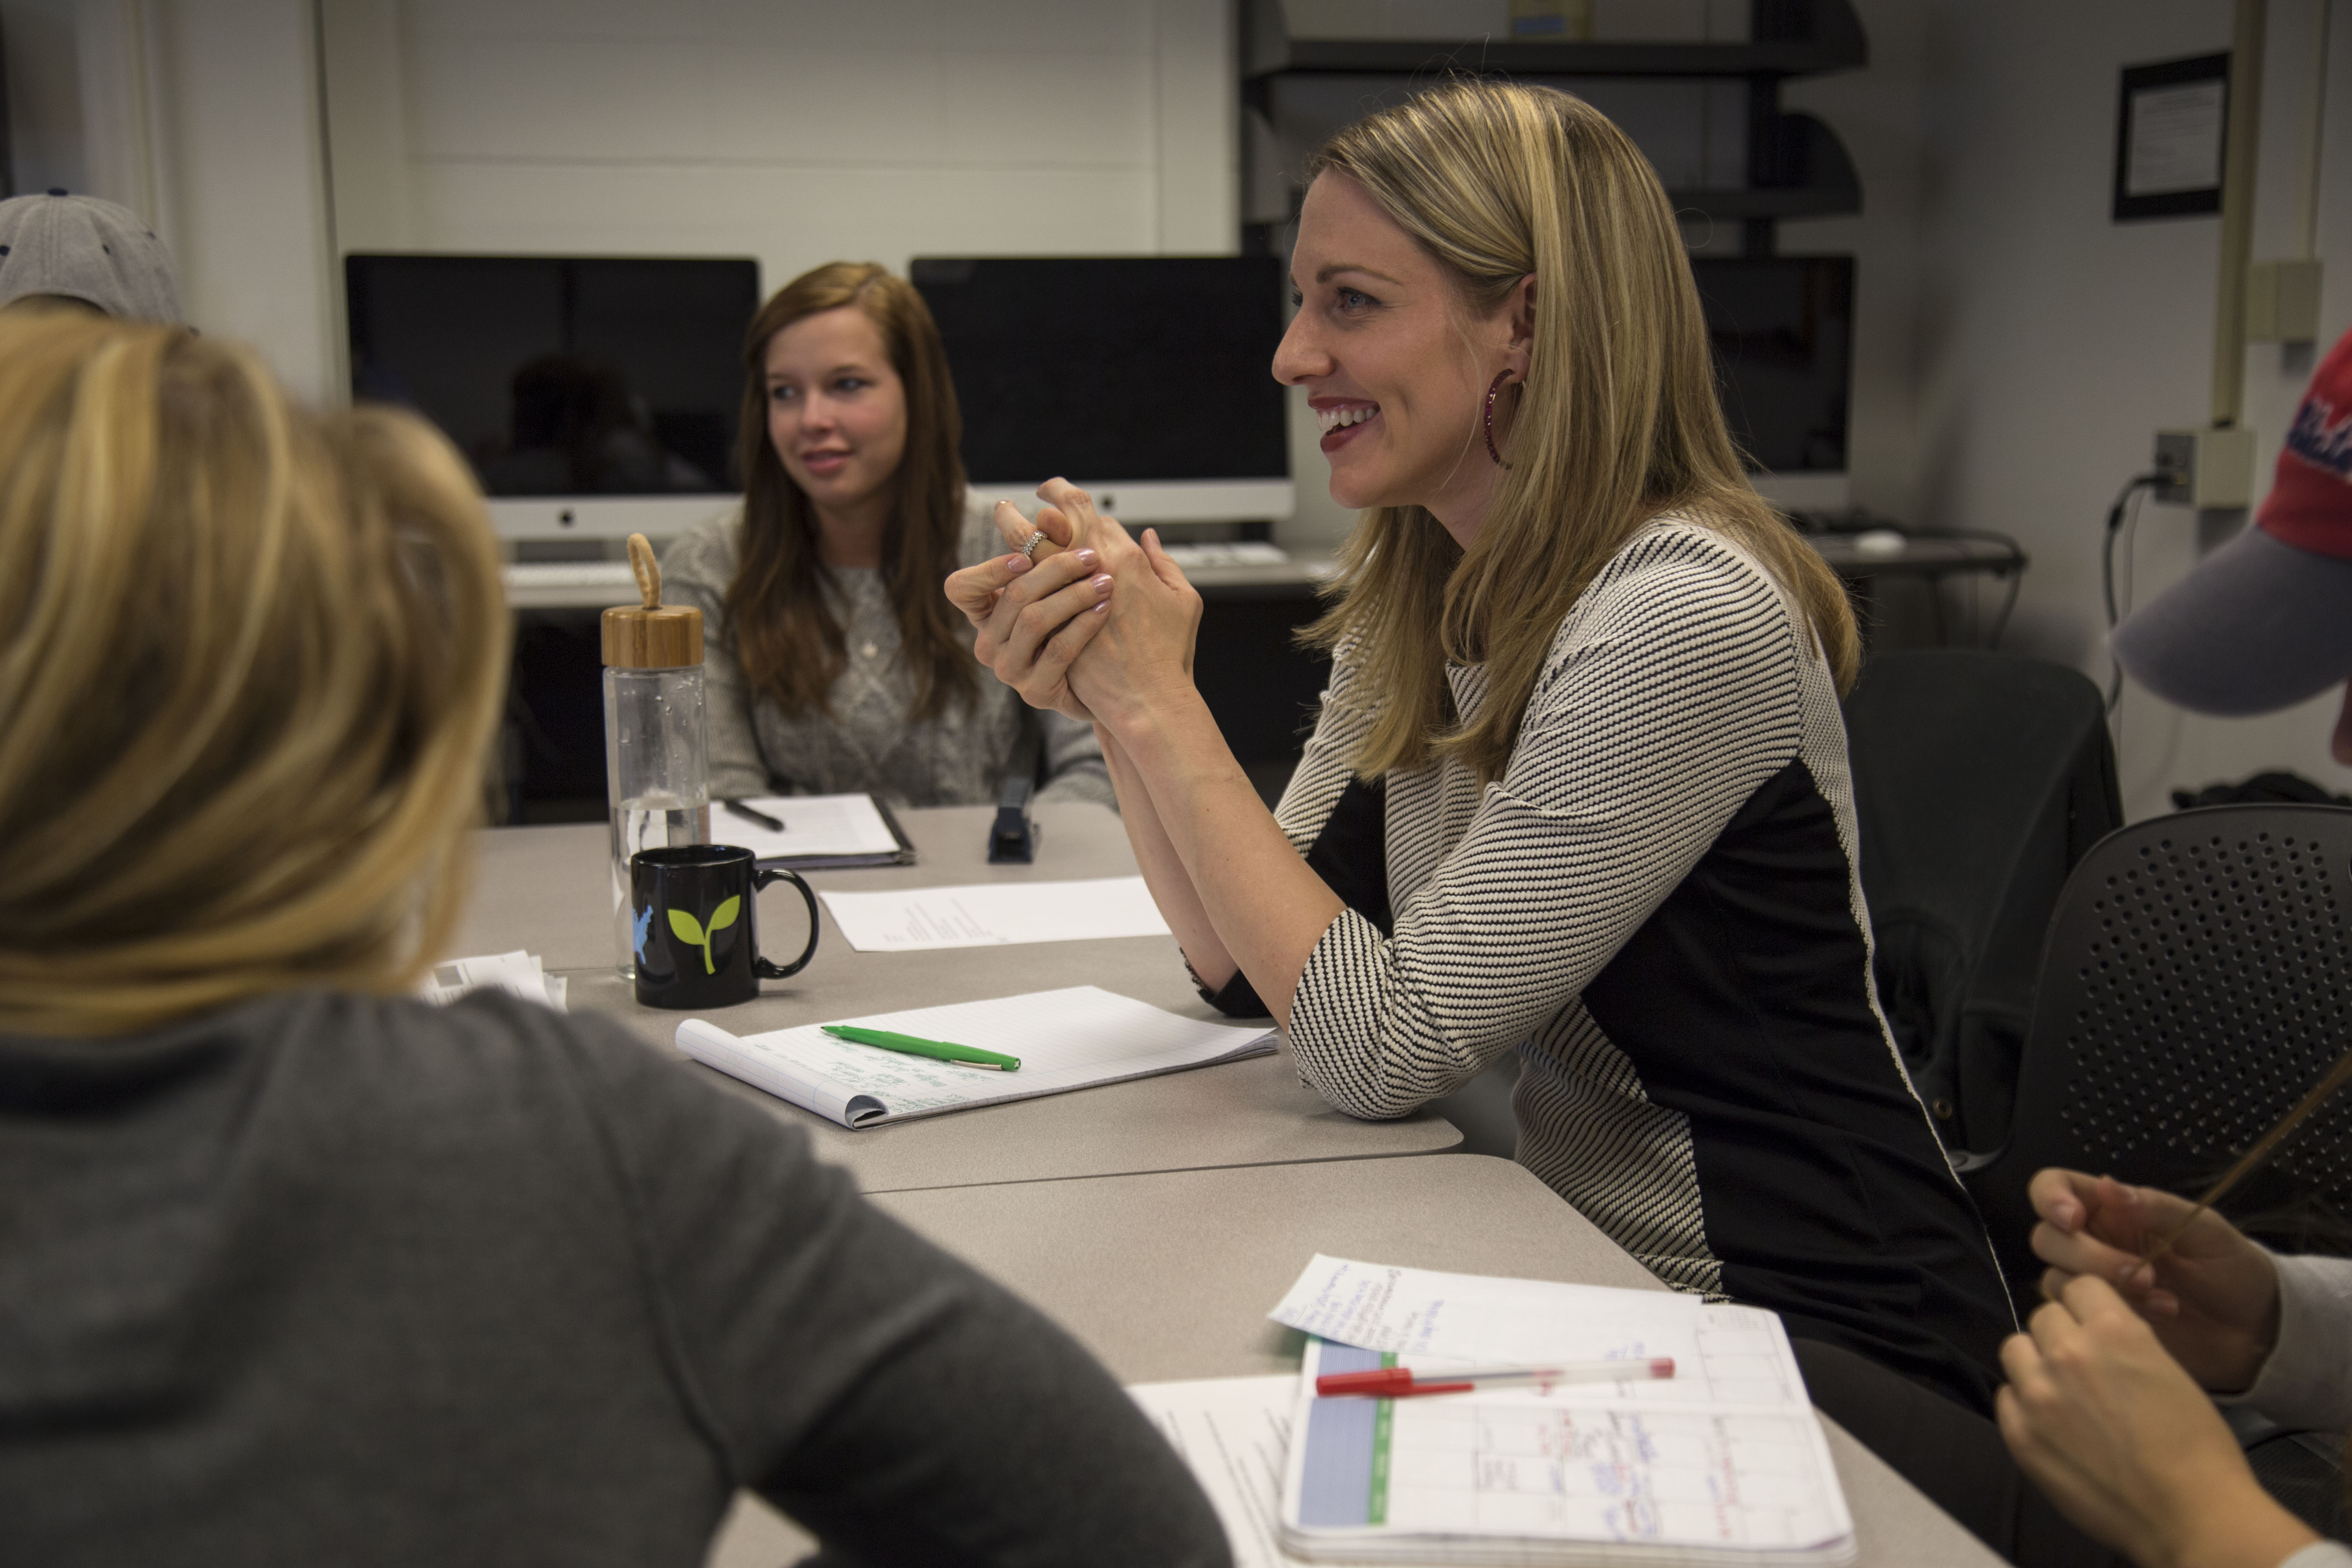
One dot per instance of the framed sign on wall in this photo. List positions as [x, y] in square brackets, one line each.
[2169, 120]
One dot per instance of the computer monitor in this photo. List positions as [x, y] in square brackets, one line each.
[1782, 329]
[594, 396]
[1146, 380]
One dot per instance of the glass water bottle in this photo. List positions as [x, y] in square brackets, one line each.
[656, 755]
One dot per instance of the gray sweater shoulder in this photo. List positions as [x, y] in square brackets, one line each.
[700, 563]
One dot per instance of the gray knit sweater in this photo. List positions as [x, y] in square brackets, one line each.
[329, 1280]
[959, 758]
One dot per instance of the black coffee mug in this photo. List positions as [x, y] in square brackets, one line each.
[696, 927]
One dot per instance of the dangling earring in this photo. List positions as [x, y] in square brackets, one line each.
[1500, 377]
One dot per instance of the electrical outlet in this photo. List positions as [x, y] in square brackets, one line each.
[2211, 469]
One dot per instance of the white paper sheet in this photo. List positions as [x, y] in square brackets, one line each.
[994, 914]
[2176, 139]
[814, 825]
[518, 973]
[1235, 1434]
[1066, 1039]
[1723, 1354]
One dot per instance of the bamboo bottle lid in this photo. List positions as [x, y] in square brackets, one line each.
[653, 635]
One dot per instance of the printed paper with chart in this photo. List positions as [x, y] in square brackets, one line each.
[1579, 1464]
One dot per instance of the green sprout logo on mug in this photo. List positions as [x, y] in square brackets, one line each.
[722, 917]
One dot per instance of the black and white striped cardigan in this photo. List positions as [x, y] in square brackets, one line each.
[1657, 907]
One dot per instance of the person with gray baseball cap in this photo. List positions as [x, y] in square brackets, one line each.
[2265, 621]
[60, 248]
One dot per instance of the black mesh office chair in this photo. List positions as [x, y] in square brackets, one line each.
[1979, 780]
[2197, 979]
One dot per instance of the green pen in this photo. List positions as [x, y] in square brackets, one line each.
[914, 1044]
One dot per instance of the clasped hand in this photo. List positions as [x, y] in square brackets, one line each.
[1095, 626]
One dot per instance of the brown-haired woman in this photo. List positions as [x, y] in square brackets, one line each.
[834, 666]
[295, 1269]
[1579, 789]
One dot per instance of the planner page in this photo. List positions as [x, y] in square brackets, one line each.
[1576, 1473]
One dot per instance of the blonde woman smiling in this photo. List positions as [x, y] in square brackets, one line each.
[1578, 786]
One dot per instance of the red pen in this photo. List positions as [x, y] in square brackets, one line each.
[1398, 1382]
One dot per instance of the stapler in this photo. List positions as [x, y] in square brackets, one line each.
[1014, 838]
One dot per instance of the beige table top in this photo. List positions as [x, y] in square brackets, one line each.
[1171, 1275]
[547, 889]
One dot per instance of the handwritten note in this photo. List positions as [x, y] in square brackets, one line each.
[1722, 1352]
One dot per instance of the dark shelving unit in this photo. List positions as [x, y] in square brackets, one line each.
[1796, 165]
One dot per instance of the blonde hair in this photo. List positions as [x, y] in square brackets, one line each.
[249, 659]
[1617, 422]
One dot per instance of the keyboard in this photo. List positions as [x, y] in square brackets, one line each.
[1246, 552]
[569, 574]
[544, 582]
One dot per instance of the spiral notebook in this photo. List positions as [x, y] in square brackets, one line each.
[1723, 1464]
[1591, 1473]
[1073, 1038]
[1239, 1438]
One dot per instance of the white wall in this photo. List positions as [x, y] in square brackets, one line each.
[797, 132]
[201, 116]
[794, 131]
[44, 96]
[2053, 341]
[241, 164]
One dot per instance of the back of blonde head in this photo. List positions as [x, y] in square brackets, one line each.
[1618, 420]
[249, 658]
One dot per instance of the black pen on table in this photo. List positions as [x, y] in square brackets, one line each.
[773, 825]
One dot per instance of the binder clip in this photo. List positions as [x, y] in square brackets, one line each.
[1014, 838]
